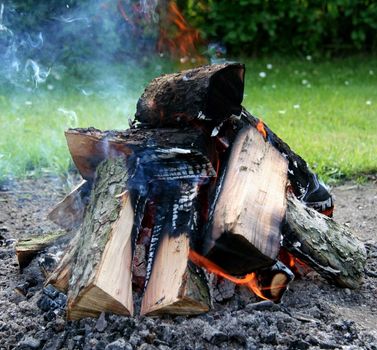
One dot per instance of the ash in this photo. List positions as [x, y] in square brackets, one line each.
[312, 314]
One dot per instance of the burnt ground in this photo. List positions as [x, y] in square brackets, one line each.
[312, 315]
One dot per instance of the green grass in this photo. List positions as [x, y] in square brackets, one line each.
[334, 128]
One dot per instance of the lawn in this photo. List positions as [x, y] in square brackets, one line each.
[326, 111]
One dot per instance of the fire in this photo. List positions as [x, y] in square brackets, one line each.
[261, 129]
[250, 280]
[298, 267]
[176, 35]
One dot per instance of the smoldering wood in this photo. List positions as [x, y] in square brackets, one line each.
[28, 248]
[69, 212]
[89, 147]
[101, 274]
[208, 94]
[245, 230]
[328, 247]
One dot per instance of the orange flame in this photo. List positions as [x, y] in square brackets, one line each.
[176, 35]
[250, 280]
[261, 129]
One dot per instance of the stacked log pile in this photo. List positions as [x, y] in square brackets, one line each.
[197, 183]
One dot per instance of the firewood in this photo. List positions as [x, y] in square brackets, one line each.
[245, 232]
[101, 276]
[89, 147]
[69, 212]
[206, 95]
[304, 182]
[28, 248]
[175, 286]
[328, 247]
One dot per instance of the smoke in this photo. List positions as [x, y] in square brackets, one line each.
[37, 38]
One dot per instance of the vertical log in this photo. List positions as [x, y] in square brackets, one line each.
[101, 275]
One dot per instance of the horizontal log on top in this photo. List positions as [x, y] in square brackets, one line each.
[208, 94]
[89, 147]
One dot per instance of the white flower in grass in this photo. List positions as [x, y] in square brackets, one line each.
[346, 82]
[269, 66]
[309, 58]
[297, 106]
[369, 102]
[282, 111]
[262, 74]
[371, 72]
[50, 87]
[273, 86]
[28, 103]
[304, 82]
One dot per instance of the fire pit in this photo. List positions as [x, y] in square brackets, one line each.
[196, 186]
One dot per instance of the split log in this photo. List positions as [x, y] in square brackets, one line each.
[101, 276]
[328, 247]
[245, 232]
[304, 182]
[69, 212]
[175, 286]
[89, 147]
[208, 94]
[28, 248]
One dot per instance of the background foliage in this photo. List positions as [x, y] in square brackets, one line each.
[287, 26]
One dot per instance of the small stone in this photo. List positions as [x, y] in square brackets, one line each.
[146, 346]
[119, 344]
[49, 315]
[214, 336]
[29, 343]
[101, 323]
[22, 288]
[59, 325]
[262, 306]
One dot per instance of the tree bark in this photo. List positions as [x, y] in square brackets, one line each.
[328, 247]
[208, 94]
[101, 275]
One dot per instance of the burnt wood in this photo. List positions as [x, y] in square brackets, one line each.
[89, 147]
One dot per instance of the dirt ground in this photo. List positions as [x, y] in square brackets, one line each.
[312, 314]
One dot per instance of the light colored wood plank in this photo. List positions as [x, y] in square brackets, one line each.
[174, 287]
[252, 201]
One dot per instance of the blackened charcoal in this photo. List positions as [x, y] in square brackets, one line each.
[45, 303]
[61, 300]
[50, 291]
